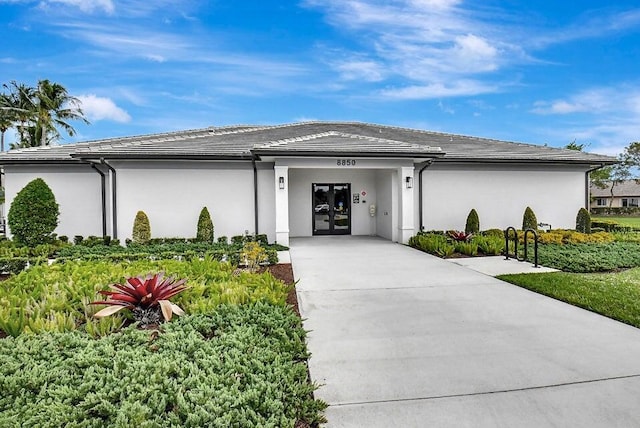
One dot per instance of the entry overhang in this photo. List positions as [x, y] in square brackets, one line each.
[336, 144]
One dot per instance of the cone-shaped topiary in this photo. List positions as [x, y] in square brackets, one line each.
[529, 220]
[205, 227]
[33, 215]
[141, 228]
[473, 222]
[583, 221]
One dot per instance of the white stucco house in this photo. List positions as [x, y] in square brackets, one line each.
[304, 179]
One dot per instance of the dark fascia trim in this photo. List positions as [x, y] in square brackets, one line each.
[42, 162]
[173, 156]
[275, 153]
[529, 161]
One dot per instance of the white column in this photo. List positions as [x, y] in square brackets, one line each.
[406, 228]
[282, 204]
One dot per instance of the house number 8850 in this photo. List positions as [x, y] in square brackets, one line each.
[346, 162]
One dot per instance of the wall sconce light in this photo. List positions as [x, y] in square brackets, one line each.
[409, 182]
[281, 182]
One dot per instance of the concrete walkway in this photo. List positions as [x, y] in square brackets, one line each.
[401, 338]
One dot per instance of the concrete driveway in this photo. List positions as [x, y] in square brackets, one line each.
[401, 338]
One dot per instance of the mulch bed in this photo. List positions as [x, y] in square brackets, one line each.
[284, 272]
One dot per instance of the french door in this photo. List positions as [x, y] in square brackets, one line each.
[331, 209]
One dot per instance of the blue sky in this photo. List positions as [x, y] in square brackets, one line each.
[531, 71]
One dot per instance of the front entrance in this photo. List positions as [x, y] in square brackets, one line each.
[331, 209]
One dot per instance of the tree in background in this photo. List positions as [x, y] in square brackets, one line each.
[575, 146]
[37, 113]
[6, 117]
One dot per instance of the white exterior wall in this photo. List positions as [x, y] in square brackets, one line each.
[500, 194]
[300, 198]
[387, 206]
[266, 201]
[172, 194]
[77, 190]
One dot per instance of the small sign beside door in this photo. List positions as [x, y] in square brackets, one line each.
[356, 198]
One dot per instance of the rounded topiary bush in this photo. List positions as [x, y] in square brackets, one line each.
[205, 227]
[583, 221]
[529, 220]
[141, 228]
[33, 215]
[473, 222]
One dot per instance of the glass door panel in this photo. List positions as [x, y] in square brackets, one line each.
[321, 208]
[331, 209]
[341, 214]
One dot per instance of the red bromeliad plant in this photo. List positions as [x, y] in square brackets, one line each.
[460, 236]
[146, 298]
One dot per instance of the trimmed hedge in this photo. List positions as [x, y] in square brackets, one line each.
[204, 232]
[473, 222]
[529, 220]
[141, 228]
[240, 366]
[583, 221]
[33, 215]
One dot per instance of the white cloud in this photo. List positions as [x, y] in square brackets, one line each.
[432, 45]
[87, 6]
[613, 116]
[100, 108]
[439, 90]
[588, 101]
[369, 71]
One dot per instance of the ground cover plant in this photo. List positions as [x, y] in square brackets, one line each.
[57, 298]
[625, 221]
[590, 257]
[14, 258]
[240, 366]
[441, 244]
[615, 295]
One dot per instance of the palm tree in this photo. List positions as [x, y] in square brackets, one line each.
[6, 118]
[19, 106]
[53, 108]
[37, 113]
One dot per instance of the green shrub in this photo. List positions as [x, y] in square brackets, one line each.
[529, 220]
[238, 239]
[561, 236]
[473, 222]
[238, 366]
[141, 228]
[466, 248]
[223, 240]
[205, 227]
[63, 238]
[433, 244]
[77, 240]
[583, 221]
[494, 233]
[33, 215]
[489, 245]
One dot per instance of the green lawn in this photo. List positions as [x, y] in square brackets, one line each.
[625, 221]
[614, 295]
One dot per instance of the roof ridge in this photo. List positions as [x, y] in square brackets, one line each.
[309, 137]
